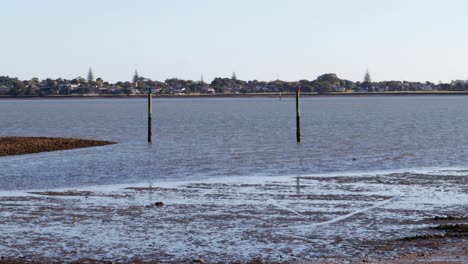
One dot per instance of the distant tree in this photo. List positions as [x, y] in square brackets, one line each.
[444, 86]
[35, 81]
[90, 76]
[141, 85]
[367, 83]
[349, 85]
[17, 88]
[306, 86]
[135, 78]
[99, 82]
[330, 78]
[367, 77]
[83, 90]
[220, 84]
[234, 76]
[323, 88]
[127, 90]
[82, 81]
[51, 87]
[458, 86]
[394, 85]
[175, 84]
[30, 92]
[326, 83]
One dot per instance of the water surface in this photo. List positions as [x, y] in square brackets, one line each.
[209, 137]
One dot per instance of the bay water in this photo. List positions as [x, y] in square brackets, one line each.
[199, 138]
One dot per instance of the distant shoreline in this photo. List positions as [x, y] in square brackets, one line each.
[248, 95]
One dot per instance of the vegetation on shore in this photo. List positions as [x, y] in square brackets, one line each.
[324, 84]
[28, 145]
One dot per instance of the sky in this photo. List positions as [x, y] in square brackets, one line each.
[413, 40]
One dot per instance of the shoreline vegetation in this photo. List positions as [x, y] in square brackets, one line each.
[247, 95]
[326, 84]
[10, 146]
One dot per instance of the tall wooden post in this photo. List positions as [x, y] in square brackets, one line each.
[298, 115]
[298, 184]
[150, 116]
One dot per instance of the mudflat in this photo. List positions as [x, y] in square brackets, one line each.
[28, 145]
[393, 218]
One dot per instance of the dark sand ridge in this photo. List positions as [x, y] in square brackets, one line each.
[28, 145]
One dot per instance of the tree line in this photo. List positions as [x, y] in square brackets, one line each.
[324, 84]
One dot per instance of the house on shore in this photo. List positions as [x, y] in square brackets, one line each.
[4, 90]
[338, 88]
[208, 90]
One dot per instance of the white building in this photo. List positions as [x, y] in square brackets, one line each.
[4, 90]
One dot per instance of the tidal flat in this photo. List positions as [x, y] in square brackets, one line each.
[396, 218]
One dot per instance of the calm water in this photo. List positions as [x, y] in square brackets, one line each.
[199, 138]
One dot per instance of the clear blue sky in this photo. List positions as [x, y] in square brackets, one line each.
[258, 39]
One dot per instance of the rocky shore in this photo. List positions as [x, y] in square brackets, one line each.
[28, 145]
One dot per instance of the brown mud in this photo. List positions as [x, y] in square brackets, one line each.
[443, 241]
[29, 145]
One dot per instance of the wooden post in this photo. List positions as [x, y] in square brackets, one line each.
[298, 115]
[298, 184]
[150, 117]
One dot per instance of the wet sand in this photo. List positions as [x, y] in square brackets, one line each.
[394, 218]
[28, 145]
